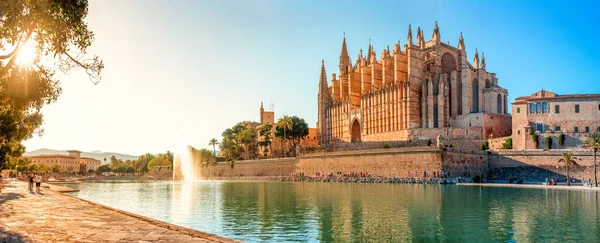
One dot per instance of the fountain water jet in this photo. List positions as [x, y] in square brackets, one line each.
[185, 166]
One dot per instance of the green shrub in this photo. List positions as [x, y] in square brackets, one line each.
[534, 139]
[507, 143]
[428, 142]
[548, 142]
[485, 146]
[561, 139]
[386, 145]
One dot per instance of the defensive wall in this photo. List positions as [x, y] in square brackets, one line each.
[530, 165]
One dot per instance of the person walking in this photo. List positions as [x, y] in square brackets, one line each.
[38, 183]
[30, 180]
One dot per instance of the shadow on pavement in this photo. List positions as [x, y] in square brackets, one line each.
[6, 236]
[9, 196]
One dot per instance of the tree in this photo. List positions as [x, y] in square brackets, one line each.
[141, 165]
[37, 38]
[592, 142]
[285, 123]
[55, 169]
[569, 160]
[213, 142]
[265, 133]
[90, 171]
[129, 170]
[19, 164]
[104, 168]
[507, 144]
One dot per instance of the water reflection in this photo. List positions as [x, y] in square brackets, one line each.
[327, 212]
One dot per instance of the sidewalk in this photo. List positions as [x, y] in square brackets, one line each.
[577, 187]
[53, 217]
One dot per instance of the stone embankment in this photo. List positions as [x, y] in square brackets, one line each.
[390, 180]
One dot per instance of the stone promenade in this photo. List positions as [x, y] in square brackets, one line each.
[52, 217]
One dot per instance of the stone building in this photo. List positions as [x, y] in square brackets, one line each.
[70, 163]
[549, 114]
[415, 91]
[277, 145]
[87, 164]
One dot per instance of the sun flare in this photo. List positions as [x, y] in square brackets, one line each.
[26, 54]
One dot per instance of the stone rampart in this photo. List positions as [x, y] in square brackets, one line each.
[377, 163]
[250, 168]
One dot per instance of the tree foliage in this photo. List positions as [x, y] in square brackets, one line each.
[239, 139]
[507, 144]
[161, 160]
[569, 160]
[592, 142]
[57, 33]
[296, 131]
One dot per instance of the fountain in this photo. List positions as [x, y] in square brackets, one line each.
[186, 165]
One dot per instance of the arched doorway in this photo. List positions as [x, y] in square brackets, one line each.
[355, 131]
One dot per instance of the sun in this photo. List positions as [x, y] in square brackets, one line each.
[26, 54]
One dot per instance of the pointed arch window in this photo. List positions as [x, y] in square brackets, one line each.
[475, 89]
[499, 104]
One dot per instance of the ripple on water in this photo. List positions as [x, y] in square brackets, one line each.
[311, 212]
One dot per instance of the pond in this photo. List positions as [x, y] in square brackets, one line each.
[272, 211]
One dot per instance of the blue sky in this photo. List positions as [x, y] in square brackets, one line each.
[186, 70]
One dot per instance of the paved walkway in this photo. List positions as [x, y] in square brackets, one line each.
[52, 217]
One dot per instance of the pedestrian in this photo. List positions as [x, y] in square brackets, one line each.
[38, 183]
[424, 173]
[30, 180]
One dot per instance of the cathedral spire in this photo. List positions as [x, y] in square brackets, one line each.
[409, 37]
[461, 42]
[344, 58]
[482, 61]
[436, 33]
[422, 42]
[344, 53]
[323, 78]
[419, 37]
[476, 60]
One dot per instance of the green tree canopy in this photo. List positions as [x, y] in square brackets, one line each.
[295, 133]
[37, 38]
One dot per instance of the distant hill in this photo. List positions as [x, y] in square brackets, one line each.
[95, 154]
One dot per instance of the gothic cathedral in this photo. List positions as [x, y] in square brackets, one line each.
[418, 91]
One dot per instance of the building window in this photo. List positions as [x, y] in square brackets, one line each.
[538, 107]
[576, 108]
[475, 101]
[499, 104]
[539, 127]
[587, 129]
[531, 108]
[557, 109]
[598, 129]
[545, 107]
[518, 110]
[518, 131]
[576, 129]
[557, 128]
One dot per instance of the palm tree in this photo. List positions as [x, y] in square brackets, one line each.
[104, 160]
[213, 142]
[569, 160]
[592, 142]
[284, 122]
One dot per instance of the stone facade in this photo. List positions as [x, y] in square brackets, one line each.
[548, 115]
[430, 85]
[71, 163]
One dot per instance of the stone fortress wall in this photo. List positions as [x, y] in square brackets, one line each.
[530, 165]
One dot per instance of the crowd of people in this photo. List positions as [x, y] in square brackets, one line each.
[355, 174]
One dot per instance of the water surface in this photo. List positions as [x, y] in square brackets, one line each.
[269, 211]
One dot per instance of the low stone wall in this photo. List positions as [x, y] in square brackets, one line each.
[466, 164]
[377, 163]
[536, 165]
[251, 168]
[496, 143]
